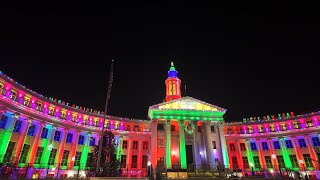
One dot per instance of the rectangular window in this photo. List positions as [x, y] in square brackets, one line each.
[63, 115]
[280, 161]
[128, 128]
[89, 160]
[253, 146]
[296, 125]
[38, 155]
[123, 161]
[242, 147]
[315, 141]
[17, 126]
[214, 145]
[3, 121]
[232, 148]
[57, 136]
[256, 162]
[264, 146]
[173, 128]
[26, 101]
[13, 95]
[124, 144]
[160, 127]
[294, 161]
[51, 111]
[136, 128]
[309, 123]
[52, 156]
[144, 161]
[160, 143]
[69, 138]
[212, 129]
[235, 162]
[307, 160]
[24, 153]
[44, 133]
[134, 161]
[8, 154]
[268, 161]
[199, 129]
[276, 145]
[302, 143]
[81, 140]
[77, 159]
[289, 144]
[145, 145]
[31, 130]
[245, 162]
[92, 141]
[65, 157]
[39, 106]
[272, 128]
[135, 145]
[160, 161]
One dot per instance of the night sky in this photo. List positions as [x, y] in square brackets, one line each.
[252, 61]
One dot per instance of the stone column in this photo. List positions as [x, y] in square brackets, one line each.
[129, 154]
[298, 152]
[25, 126]
[239, 155]
[139, 163]
[249, 153]
[61, 147]
[195, 143]
[154, 143]
[285, 154]
[261, 155]
[312, 153]
[208, 142]
[46, 150]
[84, 155]
[183, 158]
[119, 144]
[35, 143]
[223, 144]
[168, 144]
[73, 150]
[274, 159]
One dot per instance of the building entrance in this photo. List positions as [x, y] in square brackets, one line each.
[189, 154]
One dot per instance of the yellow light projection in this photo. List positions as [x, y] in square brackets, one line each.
[188, 104]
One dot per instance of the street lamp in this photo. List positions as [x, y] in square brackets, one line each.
[49, 149]
[149, 168]
[301, 162]
[252, 171]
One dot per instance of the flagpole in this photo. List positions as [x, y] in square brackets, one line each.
[104, 118]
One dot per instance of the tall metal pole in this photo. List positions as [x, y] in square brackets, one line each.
[104, 117]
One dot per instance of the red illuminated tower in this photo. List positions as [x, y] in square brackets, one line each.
[173, 84]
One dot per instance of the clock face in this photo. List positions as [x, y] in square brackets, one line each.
[189, 128]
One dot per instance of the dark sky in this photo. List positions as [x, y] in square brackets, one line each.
[251, 59]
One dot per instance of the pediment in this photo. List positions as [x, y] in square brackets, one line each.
[187, 103]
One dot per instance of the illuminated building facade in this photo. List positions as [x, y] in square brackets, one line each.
[278, 144]
[51, 138]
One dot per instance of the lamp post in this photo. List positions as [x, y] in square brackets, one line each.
[149, 168]
[49, 149]
[274, 160]
[304, 168]
[252, 170]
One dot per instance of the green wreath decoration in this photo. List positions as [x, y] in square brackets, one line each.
[188, 128]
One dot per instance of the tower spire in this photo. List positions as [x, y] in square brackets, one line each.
[173, 84]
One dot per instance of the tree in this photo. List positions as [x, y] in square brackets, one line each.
[109, 164]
